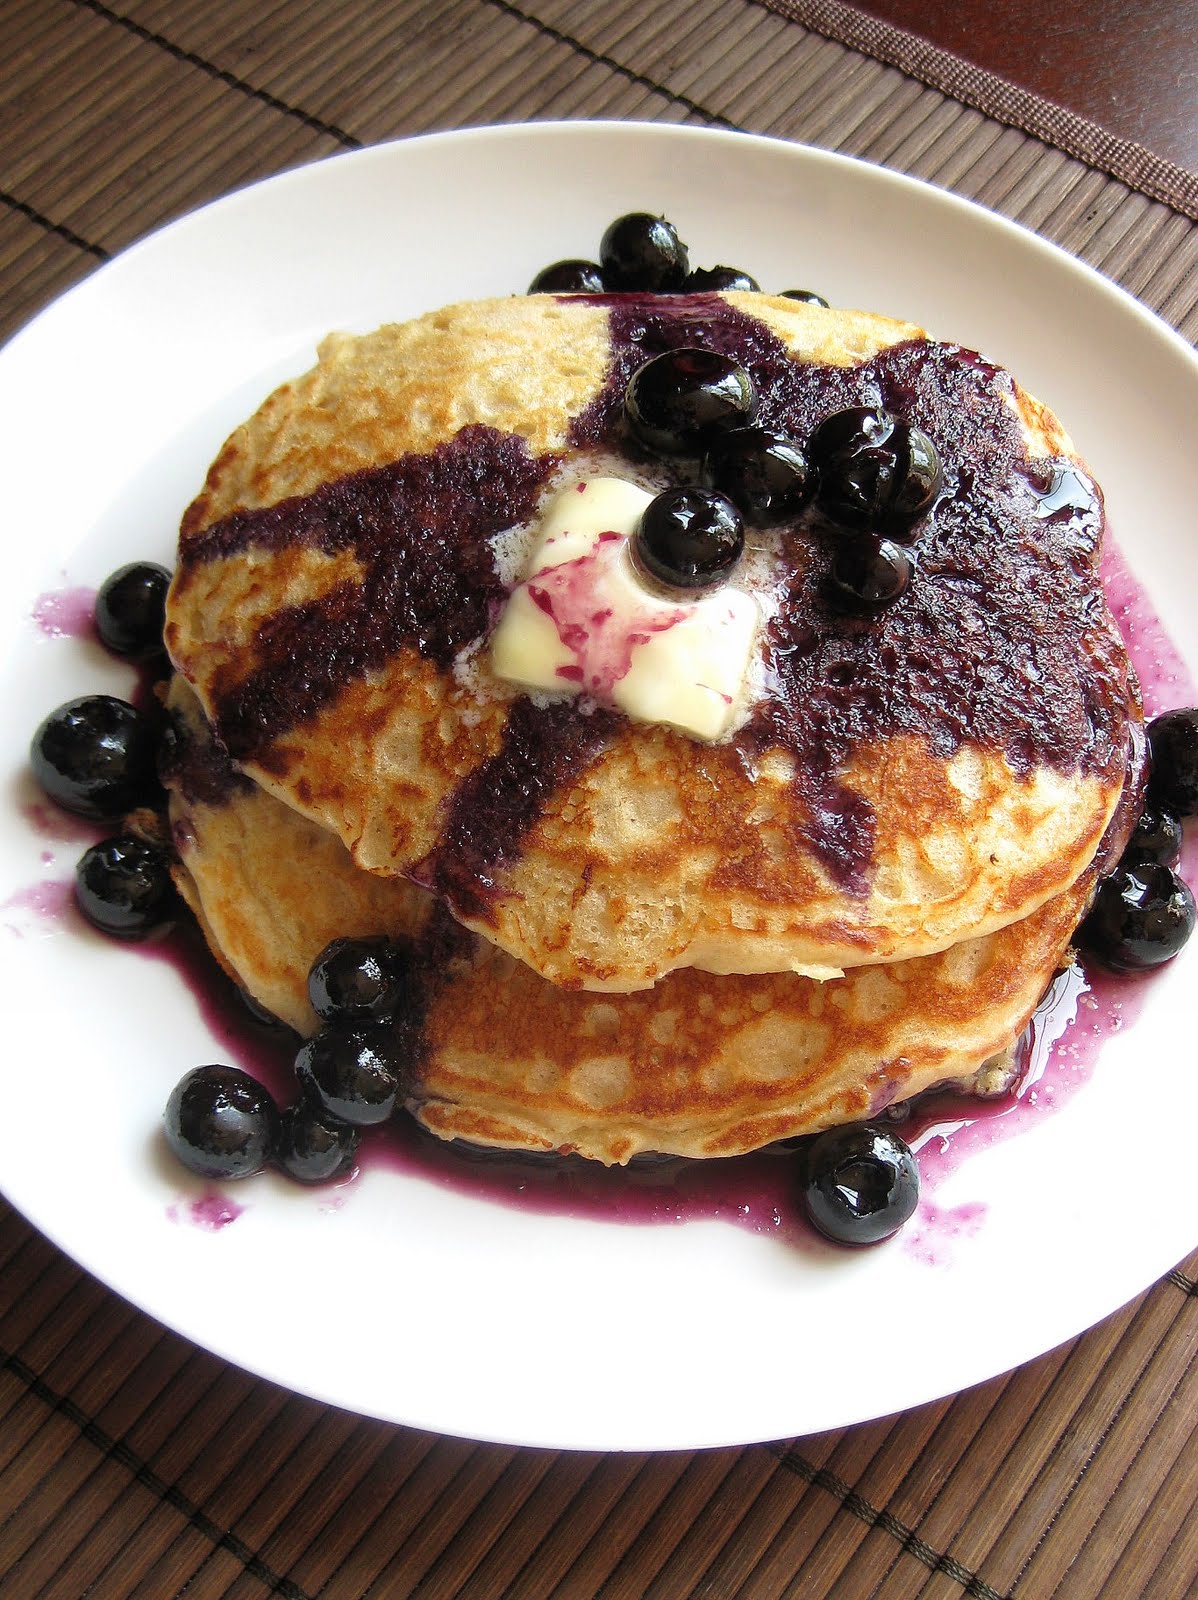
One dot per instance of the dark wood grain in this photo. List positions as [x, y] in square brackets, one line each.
[1129, 67]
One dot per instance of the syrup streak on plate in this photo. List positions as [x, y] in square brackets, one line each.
[499, 1324]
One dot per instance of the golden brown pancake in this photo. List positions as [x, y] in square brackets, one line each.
[900, 783]
[701, 1065]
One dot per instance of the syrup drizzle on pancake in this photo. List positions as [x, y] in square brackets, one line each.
[1003, 638]
[490, 812]
[420, 529]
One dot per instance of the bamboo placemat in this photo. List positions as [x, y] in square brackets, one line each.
[132, 1464]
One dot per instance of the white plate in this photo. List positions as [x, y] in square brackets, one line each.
[428, 1306]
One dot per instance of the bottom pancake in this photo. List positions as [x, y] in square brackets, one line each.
[700, 1065]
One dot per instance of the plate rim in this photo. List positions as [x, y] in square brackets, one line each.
[509, 133]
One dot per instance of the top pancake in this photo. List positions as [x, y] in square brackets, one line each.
[900, 783]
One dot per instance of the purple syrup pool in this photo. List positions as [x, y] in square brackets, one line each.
[240, 1035]
[1165, 680]
[67, 613]
[212, 1211]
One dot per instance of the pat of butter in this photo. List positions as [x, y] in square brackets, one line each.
[583, 621]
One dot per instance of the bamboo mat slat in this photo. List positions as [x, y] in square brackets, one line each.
[132, 1465]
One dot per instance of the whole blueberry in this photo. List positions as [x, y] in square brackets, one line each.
[131, 610]
[716, 280]
[1141, 917]
[868, 572]
[357, 979]
[678, 401]
[764, 473]
[349, 1074]
[807, 297]
[875, 472]
[221, 1123]
[689, 538]
[312, 1147]
[1158, 835]
[569, 277]
[860, 1183]
[96, 756]
[1173, 751]
[642, 252]
[123, 886]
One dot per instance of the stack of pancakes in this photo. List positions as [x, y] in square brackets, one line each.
[627, 939]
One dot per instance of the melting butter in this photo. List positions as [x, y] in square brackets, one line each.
[583, 621]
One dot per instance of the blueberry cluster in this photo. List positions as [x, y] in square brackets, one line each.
[1143, 912]
[871, 475]
[876, 478]
[97, 756]
[221, 1123]
[642, 254]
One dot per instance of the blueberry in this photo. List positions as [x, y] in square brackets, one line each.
[765, 474]
[357, 979]
[642, 252]
[1173, 750]
[861, 1183]
[678, 401]
[568, 277]
[868, 572]
[715, 280]
[1157, 835]
[807, 296]
[348, 1074]
[95, 756]
[312, 1147]
[1142, 915]
[874, 471]
[123, 886]
[689, 538]
[221, 1123]
[131, 610]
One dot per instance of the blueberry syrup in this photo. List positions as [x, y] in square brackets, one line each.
[433, 591]
[755, 1192]
[1165, 680]
[67, 613]
[244, 1038]
[51, 901]
[1007, 559]
[841, 682]
[492, 809]
[54, 824]
[758, 1192]
[212, 1211]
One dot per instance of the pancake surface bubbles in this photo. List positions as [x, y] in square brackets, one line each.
[900, 783]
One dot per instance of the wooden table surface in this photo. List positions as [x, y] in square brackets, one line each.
[133, 1464]
[1131, 68]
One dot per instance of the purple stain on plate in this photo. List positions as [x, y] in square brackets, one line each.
[68, 613]
[51, 901]
[755, 1192]
[935, 1229]
[212, 1211]
[1165, 680]
[52, 822]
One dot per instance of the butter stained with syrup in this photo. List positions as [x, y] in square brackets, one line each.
[584, 621]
